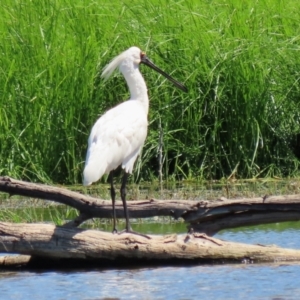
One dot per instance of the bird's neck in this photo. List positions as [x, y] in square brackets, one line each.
[137, 85]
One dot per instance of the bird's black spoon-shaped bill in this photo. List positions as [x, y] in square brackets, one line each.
[145, 60]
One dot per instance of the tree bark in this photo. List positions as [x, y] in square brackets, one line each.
[50, 242]
[202, 216]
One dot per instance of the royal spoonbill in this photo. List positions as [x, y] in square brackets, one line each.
[118, 135]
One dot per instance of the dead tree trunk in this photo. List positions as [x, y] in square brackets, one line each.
[59, 243]
[204, 218]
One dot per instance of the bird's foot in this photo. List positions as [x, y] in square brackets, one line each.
[134, 232]
[114, 231]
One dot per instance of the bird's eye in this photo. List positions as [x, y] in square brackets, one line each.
[143, 54]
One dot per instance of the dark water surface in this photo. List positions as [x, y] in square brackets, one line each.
[236, 281]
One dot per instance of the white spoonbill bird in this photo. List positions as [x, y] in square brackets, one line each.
[119, 134]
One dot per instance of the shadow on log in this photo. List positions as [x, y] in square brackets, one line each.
[204, 218]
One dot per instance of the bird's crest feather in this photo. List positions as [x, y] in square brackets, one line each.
[109, 68]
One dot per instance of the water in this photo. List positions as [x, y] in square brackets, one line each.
[235, 281]
[201, 282]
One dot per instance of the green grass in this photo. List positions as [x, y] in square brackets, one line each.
[239, 59]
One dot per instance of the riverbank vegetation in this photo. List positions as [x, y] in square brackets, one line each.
[239, 60]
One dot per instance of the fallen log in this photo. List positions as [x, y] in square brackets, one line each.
[58, 245]
[202, 216]
[41, 244]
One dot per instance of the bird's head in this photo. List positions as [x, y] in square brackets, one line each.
[129, 58]
[133, 57]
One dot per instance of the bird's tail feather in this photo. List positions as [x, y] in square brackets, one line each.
[91, 174]
[94, 168]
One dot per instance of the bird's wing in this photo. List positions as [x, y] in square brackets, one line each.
[116, 139]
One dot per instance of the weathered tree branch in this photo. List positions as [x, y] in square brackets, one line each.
[223, 214]
[204, 216]
[92, 207]
[51, 242]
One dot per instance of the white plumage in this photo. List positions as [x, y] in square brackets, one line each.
[116, 139]
[119, 135]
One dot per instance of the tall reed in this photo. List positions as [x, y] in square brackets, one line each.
[240, 61]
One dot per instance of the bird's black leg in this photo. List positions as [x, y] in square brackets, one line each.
[113, 199]
[123, 197]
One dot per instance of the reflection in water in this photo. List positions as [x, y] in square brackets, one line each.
[197, 282]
